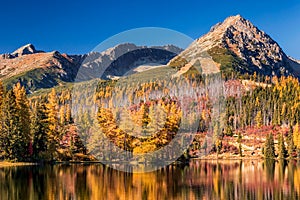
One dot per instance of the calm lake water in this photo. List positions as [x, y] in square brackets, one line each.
[199, 180]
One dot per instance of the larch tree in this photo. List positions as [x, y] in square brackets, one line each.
[258, 119]
[62, 118]
[296, 138]
[296, 135]
[68, 114]
[53, 124]
[1, 113]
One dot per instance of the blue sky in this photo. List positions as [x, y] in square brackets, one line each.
[78, 26]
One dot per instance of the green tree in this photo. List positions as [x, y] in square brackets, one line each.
[23, 115]
[282, 152]
[39, 130]
[14, 146]
[269, 150]
[239, 140]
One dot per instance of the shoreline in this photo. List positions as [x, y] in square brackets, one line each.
[205, 158]
[15, 164]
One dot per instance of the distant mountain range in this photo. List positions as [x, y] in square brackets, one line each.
[234, 45]
[38, 69]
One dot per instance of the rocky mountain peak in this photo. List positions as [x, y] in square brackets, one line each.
[24, 50]
[232, 28]
[229, 21]
[238, 39]
[120, 49]
[248, 42]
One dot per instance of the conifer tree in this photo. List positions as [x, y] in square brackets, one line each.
[52, 120]
[39, 130]
[290, 142]
[258, 119]
[1, 115]
[282, 152]
[68, 114]
[269, 150]
[23, 115]
[62, 118]
[14, 146]
[296, 138]
[239, 140]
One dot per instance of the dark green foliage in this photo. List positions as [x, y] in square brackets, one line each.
[39, 130]
[14, 143]
[275, 104]
[231, 64]
[239, 140]
[178, 62]
[269, 149]
[282, 152]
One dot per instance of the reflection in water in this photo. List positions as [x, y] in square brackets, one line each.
[199, 180]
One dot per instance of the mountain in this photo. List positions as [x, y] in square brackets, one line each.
[38, 69]
[24, 50]
[236, 45]
[118, 60]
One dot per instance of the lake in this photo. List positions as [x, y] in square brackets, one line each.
[199, 180]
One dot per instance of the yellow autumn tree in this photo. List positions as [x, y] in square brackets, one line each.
[296, 136]
[52, 120]
[258, 119]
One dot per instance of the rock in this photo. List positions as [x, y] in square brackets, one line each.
[255, 50]
[25, 50]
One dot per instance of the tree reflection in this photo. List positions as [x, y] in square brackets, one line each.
[199, 180]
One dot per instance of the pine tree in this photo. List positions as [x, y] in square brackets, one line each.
[269, 150]
[13, 144]
[290, 142]
[39, 130]
[239, 140]
[282, 152]
[23, 114]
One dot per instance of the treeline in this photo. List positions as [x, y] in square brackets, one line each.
[288, 147]
[143, 117]
[275, 103]
[41, 129]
